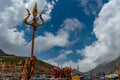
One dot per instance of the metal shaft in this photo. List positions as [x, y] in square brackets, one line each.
[32, 48]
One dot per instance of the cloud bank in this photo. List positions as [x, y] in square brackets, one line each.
[107, 31]
[63, 37]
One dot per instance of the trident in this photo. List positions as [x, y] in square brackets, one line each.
[30, 64]
[34, 23]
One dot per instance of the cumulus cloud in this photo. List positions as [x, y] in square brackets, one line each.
[62, 56]
[107, 31]
[4, 3]
[63, 36]
[12, 14]
[91, 6]
[61, 39]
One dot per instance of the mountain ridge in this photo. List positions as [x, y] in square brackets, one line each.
[108, 68]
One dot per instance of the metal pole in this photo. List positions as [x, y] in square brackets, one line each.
[32, 48]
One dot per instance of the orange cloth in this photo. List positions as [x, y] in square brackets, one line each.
[118, 71]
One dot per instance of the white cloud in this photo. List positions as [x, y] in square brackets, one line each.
[62, 56]
[107, 31]
[61, 38]
[11, 40]
[48, 9]
[4, 4]
[91, 6]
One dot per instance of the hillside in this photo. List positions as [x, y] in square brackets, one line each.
[107, 67]
[2, 53]
[42, 67]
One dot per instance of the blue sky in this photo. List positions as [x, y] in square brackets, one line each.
[62, 12]
[76, 32]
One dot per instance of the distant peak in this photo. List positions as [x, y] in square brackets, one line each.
[2, 53]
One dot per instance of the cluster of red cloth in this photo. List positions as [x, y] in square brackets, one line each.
[61, 72]
[28, 68]
[9, 64]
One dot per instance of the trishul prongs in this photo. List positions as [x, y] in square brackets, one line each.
[34, 23]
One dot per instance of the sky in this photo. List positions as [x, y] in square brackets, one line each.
[82, 33]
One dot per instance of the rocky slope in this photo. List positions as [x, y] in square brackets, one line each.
[109, 68]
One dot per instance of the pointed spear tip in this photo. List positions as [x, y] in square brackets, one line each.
[35, 5]
[35, 12]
